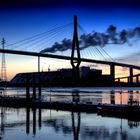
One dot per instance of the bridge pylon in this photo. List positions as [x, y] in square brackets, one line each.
[75, 54]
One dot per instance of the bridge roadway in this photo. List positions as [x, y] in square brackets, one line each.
[66, 58]
[127, 77]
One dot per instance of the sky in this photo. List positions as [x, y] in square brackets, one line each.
[25, 18]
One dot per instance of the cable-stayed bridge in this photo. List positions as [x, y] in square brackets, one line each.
[37, 45]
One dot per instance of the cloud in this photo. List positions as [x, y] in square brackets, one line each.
[111, 36]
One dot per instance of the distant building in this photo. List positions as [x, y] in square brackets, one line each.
[45, 77]
[90, 76]
[66, 73]
[63, 77]
[84, 71]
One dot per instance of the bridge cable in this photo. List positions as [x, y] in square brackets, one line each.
[94, 46]
[39, 35]
[89, 52]
[52, 39]
[28, 42]
[99, 46]
[107, 54]
[42, 41]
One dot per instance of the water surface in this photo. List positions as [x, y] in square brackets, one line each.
[42, 124]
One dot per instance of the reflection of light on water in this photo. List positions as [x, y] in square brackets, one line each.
[93, 95]
[59, 125]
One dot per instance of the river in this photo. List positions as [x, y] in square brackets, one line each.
[42, 124]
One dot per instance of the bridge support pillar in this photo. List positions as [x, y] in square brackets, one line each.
[27, 87]
[128, 80]
[118, 80]
[34, 86]
[39, 88]
[131, 76]
[112, 73]
[137, 79]
[112, 97]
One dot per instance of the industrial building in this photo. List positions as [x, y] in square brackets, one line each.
[63, 77]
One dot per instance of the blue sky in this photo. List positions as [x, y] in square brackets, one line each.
[20, 20]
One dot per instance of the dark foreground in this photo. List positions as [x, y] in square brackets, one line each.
[132, 111]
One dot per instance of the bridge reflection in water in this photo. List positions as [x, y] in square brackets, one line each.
[74, 125]
[70, 124]
[59, 124]
[75, 122]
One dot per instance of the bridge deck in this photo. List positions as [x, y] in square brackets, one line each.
[66, 58]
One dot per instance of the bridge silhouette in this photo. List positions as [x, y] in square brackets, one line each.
[76, 60]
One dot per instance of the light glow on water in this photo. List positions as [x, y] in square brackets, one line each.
[39, 124]
[26, 124]
[93, 95]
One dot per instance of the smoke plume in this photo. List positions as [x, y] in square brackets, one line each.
[111, 36]
[63, 46]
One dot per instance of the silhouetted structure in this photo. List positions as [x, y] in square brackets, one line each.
[3, 64]
[27, 120]
[76, 125]
[112, 97]
[75, 60]
[75, 49]
[62, 77]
